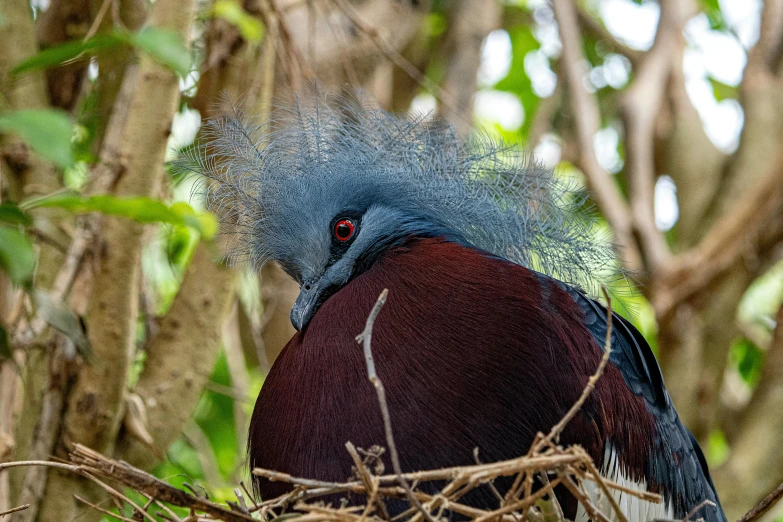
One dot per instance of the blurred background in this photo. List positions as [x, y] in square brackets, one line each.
[120, 328]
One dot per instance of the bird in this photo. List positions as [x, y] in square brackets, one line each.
[491, 329]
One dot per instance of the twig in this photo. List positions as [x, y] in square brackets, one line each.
[361, 469]
[151, 486]
[595, 515]
[484, 472]
[605, 487]
[14, 510]
[98, 19]
[366, 338]
[587, 115]
[696, 509]
[558, 428]
[765, 505]
[103, 510]
[399, 60]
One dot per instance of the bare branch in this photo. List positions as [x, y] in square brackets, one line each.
[763, 55]
[469, 23]
[366, 339]
[14, 510]
[598, 31]
[728, 239]
[764, 505]
[641, 106]
[585, 108]
[192, 325]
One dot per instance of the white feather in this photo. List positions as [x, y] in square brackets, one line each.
[634, 508]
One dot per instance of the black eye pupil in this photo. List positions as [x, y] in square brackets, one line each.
[343, 231]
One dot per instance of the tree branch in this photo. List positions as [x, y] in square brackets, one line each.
[62, 21]
[585, 109]
[181, 357]
[734, 234]
[641, 106]
[755, 449]
[597, 30]
[95, 405]
[470, 21]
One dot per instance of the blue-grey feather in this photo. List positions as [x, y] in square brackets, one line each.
[275, 185]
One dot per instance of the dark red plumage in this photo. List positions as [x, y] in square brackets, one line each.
[474, 351]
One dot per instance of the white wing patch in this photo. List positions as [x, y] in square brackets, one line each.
[634, 508]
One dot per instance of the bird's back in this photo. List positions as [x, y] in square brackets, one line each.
[474, 351]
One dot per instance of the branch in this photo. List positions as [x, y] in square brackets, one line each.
[759, 213]
[94, 406]
[169, 388]
[585, 109]
[757, 446]
[470, 21]
[14, 510]
[62, 21]
[337, 40]
[641, 106]
[762, 58]
[764, 505]
[366, 338]
[598, 31]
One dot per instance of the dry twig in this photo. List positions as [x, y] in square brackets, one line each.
[366, 338]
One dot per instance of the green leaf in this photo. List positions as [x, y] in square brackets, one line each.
[63, 319]
[17, 257]
[714, 14]
[66, 51]
[435, 24]
[163, 45]
[141, 209]
[11, 214]
[231, 11]
[723, 91]
[47, 131]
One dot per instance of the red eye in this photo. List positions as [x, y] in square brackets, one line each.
[343, 229]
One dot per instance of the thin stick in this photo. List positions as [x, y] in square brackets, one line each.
[571, 486]
[14, 510]
[605, 487]
[98, 19]
[369, 484]
[366, 338]
[763, 506]
[483, 472]
[696, 509]
[102, 510]
[558, 428]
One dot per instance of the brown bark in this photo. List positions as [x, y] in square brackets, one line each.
[470, 21]
[180, 357]
[585, 108]
[62, 21]
[95, 405]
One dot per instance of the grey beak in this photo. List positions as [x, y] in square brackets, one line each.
[306, 304]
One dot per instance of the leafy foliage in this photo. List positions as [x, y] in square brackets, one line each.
[163, 45]
[141, 209]
[17, 258]
[47, 131]
[231, 11]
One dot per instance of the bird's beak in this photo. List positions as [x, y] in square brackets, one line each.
[306, 304]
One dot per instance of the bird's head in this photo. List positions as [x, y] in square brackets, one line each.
[326, 187]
